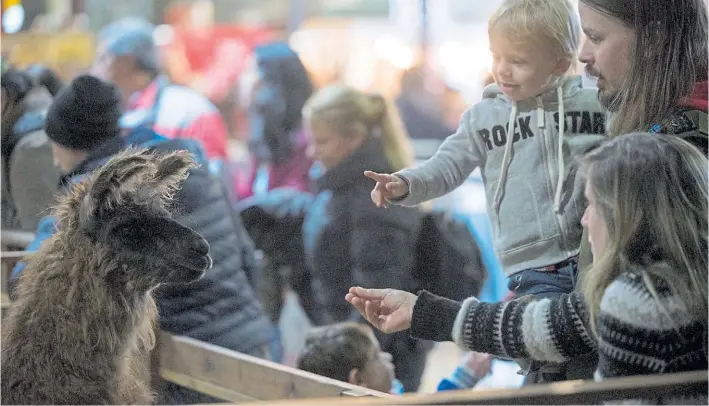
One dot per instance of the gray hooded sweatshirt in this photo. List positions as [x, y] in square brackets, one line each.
[535, 213]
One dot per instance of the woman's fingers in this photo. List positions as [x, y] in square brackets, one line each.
[358, 304]
[369, 294]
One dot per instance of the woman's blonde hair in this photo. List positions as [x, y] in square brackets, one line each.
[651, 192]
[349, 111]
[553, 22]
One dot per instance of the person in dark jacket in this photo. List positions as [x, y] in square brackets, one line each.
[29, 179]
[347, 238]
[275, 104]
[274, 222]
[220, 308]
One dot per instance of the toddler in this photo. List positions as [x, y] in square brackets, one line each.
[523, 135]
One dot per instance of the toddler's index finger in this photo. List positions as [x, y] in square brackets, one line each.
[378, 177]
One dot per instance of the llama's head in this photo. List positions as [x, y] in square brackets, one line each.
[124, 211]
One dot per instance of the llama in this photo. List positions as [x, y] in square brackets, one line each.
[82, 325]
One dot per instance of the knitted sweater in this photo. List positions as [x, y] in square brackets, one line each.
[637, 335]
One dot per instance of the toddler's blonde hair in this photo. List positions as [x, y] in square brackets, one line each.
[552, 22]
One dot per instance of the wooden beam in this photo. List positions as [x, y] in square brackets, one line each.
[16, 238]
[237, 377]
[569, 392]
[7, 257]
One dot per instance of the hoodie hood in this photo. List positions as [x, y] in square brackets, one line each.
[570, 87]
[276, 111]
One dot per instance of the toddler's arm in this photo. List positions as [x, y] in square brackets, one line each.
[454, 161]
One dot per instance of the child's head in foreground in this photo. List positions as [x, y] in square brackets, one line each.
[534, 43]
[348, 352]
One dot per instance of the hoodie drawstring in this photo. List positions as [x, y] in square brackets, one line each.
[506, 159]
[562, 122]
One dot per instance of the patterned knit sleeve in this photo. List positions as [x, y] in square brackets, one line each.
[544, 330]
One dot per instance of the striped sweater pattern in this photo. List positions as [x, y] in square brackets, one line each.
[637, 334]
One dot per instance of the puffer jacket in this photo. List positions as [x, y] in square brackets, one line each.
[351, 242]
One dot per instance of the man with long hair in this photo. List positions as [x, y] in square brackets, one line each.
[650, 62]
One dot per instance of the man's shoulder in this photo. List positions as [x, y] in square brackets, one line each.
[690, 125]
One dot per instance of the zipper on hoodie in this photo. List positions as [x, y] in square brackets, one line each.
[549, 147]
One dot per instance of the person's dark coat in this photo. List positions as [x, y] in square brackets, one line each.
[274, 221]
[351, 242]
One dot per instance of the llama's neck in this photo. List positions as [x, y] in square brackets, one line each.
[79, 320]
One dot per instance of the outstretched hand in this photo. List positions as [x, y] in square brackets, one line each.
[388, 310]
[387, 187]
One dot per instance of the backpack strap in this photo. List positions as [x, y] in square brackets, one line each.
[699, 119]
[690, 125]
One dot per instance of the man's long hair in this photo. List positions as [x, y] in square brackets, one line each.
[668, 56]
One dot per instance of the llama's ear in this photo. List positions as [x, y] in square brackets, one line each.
[115, 172]
[172, 168]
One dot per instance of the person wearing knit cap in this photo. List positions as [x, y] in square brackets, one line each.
[83, 118]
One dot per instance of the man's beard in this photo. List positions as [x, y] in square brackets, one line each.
[607, 97]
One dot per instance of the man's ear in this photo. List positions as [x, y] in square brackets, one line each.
[354, 377]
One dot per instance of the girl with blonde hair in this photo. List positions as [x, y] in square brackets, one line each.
[348, 240]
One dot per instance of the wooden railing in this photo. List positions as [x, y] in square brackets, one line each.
[569, 392]
[239, 378]
[207, 368]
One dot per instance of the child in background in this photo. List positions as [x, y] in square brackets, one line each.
[473, 369]
[349, 352]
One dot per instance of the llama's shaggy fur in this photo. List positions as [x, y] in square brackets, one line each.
[82, 324]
